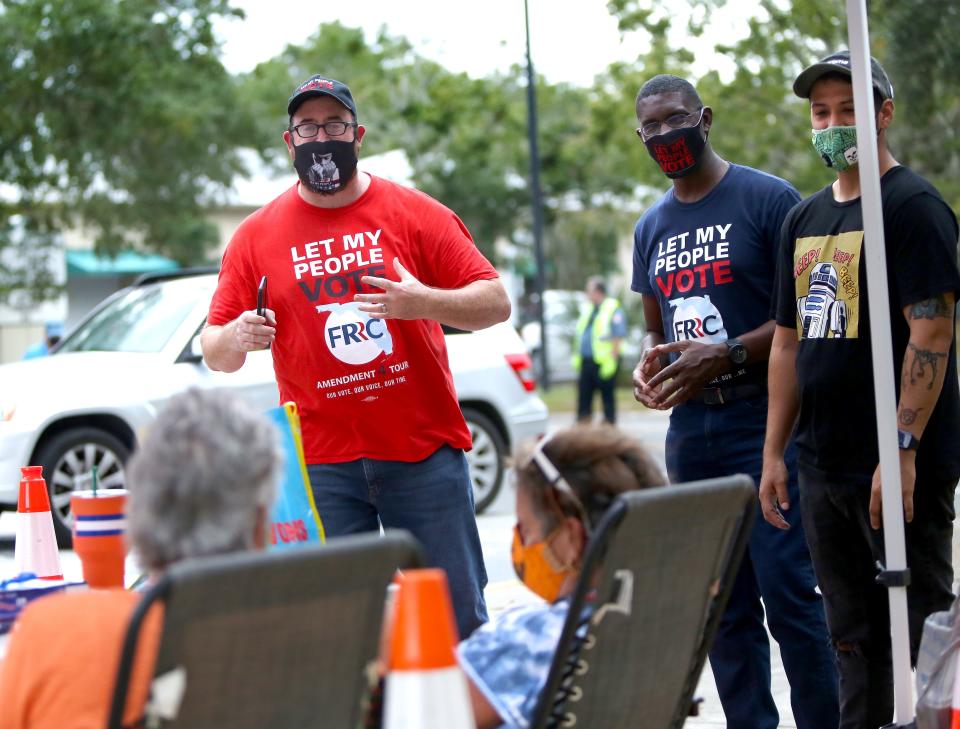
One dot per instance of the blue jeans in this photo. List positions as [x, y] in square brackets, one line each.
[845, 551]
[432, 499]
[705, 441]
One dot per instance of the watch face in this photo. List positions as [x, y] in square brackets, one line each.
[736, 352]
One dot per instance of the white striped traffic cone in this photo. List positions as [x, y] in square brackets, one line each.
[36, 546]
[426, 688]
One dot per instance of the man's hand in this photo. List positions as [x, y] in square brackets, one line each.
[908, 478]
[646, 368]
[252, 331]
[697, 365]
[403, 299]
[774, 498]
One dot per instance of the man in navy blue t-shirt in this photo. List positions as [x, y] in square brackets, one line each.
[704, 263]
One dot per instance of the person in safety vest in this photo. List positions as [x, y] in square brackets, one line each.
[596, 359]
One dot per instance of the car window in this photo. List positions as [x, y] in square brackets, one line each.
[141, 320]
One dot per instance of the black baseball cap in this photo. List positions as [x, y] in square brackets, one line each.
[321, 86]
[839, 62]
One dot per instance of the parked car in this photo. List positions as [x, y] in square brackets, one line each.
[89, 402]
[561, 309]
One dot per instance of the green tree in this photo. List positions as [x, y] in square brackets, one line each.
[758, 119]
[921, 55]
[117, 116]
[440, 119]
[465, 138]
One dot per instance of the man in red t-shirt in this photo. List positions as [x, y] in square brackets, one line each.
[361, 272]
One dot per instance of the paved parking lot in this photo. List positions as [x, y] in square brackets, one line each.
[504, 590]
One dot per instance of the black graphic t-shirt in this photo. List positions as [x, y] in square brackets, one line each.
[822, 292]
[711, 264]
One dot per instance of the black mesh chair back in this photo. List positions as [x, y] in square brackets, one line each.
[270, 639]
[632, 650]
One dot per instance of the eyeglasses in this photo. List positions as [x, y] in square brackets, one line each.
[308, 130]
[677, 121]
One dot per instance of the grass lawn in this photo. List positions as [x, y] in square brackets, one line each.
[562, 398]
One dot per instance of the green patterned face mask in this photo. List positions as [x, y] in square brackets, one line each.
[837, 146]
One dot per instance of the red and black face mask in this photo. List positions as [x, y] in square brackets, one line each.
[679, 151]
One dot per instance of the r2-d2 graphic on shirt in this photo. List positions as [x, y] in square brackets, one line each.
[697, 318]
[821, 315]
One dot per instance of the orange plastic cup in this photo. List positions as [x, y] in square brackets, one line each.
[99, 535]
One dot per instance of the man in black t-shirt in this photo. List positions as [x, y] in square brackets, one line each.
[821, 379]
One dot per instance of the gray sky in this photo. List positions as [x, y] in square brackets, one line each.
[572, 40]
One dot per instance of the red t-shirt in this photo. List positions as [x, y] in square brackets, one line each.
[366, 388]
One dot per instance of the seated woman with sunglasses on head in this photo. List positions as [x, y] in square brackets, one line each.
[564, 485]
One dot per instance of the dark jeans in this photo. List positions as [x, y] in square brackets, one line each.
[588, 383]
[845, 551]
[705, 441]
[432, 499]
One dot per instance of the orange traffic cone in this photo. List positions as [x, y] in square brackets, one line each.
[426, 688]
[36, 546]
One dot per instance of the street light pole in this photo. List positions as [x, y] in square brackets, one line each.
[536, 200]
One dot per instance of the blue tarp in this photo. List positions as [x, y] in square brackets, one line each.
[88, 263]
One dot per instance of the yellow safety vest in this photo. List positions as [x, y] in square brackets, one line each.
[600, 339]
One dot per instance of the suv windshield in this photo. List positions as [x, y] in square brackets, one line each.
[141, 319]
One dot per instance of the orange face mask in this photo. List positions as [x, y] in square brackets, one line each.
[537, 566]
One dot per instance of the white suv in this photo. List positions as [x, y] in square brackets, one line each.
[88, 402]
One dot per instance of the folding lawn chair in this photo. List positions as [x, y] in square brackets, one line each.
[268, 640]
[631, 651]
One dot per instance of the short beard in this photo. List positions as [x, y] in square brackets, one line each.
[338, 188]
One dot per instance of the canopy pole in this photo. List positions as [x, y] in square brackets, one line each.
[881, 343]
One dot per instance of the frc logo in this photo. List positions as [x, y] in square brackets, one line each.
[697, 318]
[352, 336]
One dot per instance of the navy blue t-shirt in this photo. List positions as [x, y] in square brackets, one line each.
[712, 264]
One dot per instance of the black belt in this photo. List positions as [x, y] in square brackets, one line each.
[724, 394]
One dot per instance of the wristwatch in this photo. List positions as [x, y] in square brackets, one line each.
[907, 441]
[736, 352]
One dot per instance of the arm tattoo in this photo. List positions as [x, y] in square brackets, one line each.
[937, 307]
[922, 358]
[908, 416]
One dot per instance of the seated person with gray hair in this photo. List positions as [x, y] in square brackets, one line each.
[202, 484]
